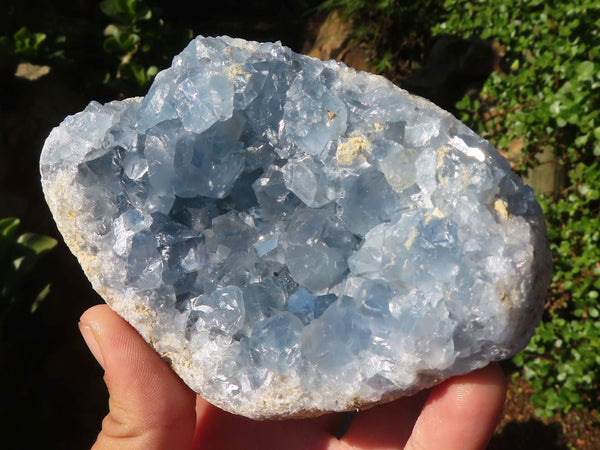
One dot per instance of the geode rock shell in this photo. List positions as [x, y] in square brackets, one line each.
[296, 237]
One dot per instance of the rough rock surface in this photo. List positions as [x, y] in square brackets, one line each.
[296, 237]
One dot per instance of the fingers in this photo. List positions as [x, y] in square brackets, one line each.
[217, 429]
[459, 414]
[384, 427]
[462, 413]
[150, 407]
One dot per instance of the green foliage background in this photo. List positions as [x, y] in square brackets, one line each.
[19, 254]
[395, 30]
[548, 97]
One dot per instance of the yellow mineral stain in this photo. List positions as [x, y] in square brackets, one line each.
[438, 213]
[412, 235]
[331, 115]
[440, 156]
[435, 213]
[347, 152]
[233, 70]
[501, 208]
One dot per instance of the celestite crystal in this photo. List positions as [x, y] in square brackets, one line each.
[296, 237]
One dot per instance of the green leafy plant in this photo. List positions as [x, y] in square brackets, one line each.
[548, 97]
[397, 31]
[138, 38]
[549, 94]
[24, 44]
[562, 362]
[19, 254]
[34, 47]
[129, 34]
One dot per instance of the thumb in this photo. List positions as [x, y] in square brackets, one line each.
[150, 407]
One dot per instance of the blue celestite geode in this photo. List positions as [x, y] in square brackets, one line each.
[296, 237]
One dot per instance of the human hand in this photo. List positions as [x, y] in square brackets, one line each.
[151, 408]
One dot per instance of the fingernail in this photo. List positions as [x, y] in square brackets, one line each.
[90, 340]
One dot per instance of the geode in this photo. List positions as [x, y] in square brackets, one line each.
[295, 237]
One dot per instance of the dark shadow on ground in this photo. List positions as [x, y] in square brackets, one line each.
[530, 435]
[454, 67]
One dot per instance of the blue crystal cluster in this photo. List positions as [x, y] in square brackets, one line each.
[305, 236]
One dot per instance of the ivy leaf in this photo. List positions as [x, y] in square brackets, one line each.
[8, 231]
[39, 243]
[27, 43]
[40, 298]
[30, 246]
[585, 71]
[122, 42]
[119, 10]
[135, 72]
[8, 228]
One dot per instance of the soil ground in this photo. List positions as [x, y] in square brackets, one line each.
[521, 429]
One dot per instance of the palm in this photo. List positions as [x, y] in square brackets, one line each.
[151, 408]
[387, 426]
